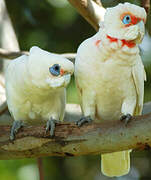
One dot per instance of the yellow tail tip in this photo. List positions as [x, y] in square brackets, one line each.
[115, 164]
[114, 174]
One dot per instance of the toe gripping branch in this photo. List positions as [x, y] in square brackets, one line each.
[83, 120]
[126, 118]
[15, 128]
[50, 126]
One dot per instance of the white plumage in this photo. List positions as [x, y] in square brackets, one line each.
[32, 91]
[110, 75]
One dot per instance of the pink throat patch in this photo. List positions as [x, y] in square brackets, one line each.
[129, 44]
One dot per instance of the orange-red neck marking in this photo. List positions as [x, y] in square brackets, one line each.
[129, 44]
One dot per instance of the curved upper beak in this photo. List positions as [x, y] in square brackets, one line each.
[66, 71]
[141, 27]
[141, 31]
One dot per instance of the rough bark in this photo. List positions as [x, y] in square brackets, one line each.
[70, 140]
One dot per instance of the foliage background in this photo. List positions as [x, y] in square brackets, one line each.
[55, 26]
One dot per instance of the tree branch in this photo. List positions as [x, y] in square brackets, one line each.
[40, 167]
[146, 5]
[3, 107]
[11, 54]
[14, 54]
[98, 2]
[71, 140]
[92, 11]
[8, 37]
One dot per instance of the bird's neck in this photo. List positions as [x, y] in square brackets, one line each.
[129, 44]
[119, 49]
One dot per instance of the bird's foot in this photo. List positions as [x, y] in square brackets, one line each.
[83, 120]
[50, 126]
[15, 127]
[126, 118]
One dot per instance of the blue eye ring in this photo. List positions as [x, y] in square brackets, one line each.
[55, 70]
[126, 19]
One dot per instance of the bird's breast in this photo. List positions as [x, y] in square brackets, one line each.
[113, 84]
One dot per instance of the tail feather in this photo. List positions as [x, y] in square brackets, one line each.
[115, 164]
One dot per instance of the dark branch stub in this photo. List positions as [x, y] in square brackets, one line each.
[146, 5]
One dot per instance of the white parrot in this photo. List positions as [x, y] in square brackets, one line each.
[110, 75]
[35, 88]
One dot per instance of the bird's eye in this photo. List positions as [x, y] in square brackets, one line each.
[55, 70]
[126, 19]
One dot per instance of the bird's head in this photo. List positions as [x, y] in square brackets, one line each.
[49, 70]
[125, 21]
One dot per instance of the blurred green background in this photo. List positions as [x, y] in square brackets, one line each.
[54, 25]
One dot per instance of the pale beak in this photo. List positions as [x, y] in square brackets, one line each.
[141, 32]
[141, 27]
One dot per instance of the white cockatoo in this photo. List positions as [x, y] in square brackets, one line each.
[35, 88]
[110, 75]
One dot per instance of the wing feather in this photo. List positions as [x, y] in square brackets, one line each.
[139, 76]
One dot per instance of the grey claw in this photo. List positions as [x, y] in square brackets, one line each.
[83, 120]
[126, 118]
[50, 126]
[15, 127]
